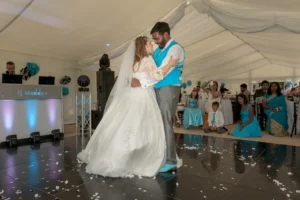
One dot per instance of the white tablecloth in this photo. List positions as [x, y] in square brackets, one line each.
[290, 112]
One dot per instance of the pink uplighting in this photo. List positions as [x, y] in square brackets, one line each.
[8, 111]
[52, 111]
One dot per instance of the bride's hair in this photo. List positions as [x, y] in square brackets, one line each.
[140, 49]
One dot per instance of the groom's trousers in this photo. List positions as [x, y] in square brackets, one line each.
[167, 99]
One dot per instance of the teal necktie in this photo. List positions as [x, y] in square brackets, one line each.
[214, 119]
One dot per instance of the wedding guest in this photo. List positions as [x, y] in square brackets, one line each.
[275, 108]
[215, 120]
[248, 125]
[192, 114]
[223, 89]
[262, 91]
[245, 91]
[10, 67]
[291, 92]
[213, 96]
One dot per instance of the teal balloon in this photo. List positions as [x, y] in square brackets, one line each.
[189, 82]
[33, 68]
[65, 91]
[184, 85]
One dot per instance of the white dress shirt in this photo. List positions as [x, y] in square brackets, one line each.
[176, 51]
[219, 119]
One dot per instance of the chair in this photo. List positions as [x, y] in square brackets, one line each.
[260, 115]
[180, 115]
[251, 99]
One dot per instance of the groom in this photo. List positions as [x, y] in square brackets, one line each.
[167, 90]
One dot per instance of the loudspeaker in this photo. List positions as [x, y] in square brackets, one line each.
[105, 83]
[96, 118]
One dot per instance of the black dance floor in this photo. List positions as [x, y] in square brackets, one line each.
[214, 168]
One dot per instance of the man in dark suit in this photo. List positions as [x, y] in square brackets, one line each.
[10, 67]
[264, 89]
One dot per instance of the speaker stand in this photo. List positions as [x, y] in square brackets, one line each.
[83, 114]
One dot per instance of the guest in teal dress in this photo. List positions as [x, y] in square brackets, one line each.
[193, 140]
[275, 108]
[248, 126]
[193, 115]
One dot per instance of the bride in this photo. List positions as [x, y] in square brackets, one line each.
[130, 138]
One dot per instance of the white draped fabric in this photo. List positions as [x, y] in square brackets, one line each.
[172, 19]
[231, 41]
[244, 18]
[278, 46]
[75, 29]
[229, 56]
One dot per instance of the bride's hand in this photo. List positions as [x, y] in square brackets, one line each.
[173, 62]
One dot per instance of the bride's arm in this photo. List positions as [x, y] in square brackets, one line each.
[149, 74]
[159, 73]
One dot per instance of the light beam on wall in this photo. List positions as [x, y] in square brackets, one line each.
[31, 109]
[52, 106]
[8, 115]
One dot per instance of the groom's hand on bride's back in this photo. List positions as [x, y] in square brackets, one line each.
[135, 82]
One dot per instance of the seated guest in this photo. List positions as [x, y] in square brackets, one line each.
[192, 114]
[291, 92]
[213, 96]
[284, 90]
[215, 120]
[260, 93]
[223, 89]
[297, 91]
[248, 125]
[203, 95]
[198, 89]
[10, 67]
[245, 91]
[275, 108]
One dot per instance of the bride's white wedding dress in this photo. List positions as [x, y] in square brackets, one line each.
[130, 138]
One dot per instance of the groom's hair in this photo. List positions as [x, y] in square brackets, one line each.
[161, 28]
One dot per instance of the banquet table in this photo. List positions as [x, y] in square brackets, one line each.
[290, 113]
[226, 109]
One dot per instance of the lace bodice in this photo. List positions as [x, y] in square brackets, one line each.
[147, 72]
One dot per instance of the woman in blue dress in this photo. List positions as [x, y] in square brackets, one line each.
[248, 126]
[274, 105]
[193, 115]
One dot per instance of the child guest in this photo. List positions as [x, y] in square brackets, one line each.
[215, 120]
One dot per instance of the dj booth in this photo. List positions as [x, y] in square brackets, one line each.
[30, 108]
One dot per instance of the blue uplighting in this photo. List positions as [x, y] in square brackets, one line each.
[34, 173]
[31, 109]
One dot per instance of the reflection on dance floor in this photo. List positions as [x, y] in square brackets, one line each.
[214, 168]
